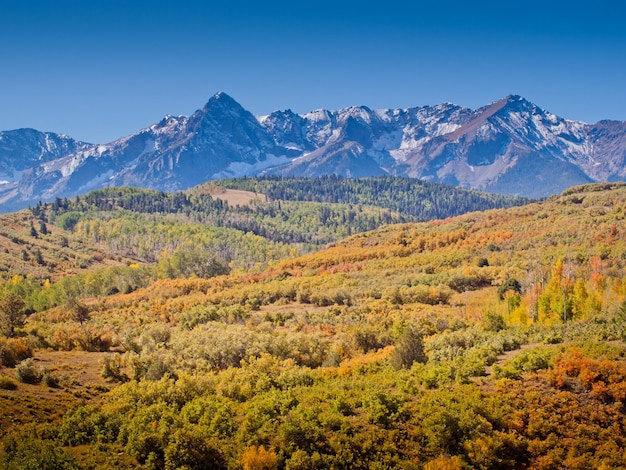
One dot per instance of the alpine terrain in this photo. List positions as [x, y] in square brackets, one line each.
[510, 146]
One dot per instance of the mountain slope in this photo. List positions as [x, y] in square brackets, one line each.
[21, 150]
[510, 146]
[222, 139]
[489, 340]
[488, 149]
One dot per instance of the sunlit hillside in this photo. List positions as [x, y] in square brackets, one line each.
[493, 339]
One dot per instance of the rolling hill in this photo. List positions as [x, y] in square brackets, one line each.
[489, 339]
[271, 218]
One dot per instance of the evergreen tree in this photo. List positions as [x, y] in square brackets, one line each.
[409, 349]
[11, 314]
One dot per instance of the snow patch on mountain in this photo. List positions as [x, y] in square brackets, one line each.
[239, 169]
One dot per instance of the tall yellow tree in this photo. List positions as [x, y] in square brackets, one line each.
[555, 302]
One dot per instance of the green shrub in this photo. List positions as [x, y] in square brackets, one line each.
[187, 448]
[493, 322]
[510, 284]
[68, 220]
[112, 368]
[26, 372]
[527, 361]
[7, 383]
[434, 375]
[49, 378]
[78, 426]
[24, 450]
[553, 337]
[410, 349]
[198, 315]
[451, 344]
[467, 366]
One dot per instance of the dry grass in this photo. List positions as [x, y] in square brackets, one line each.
[80, 382]
[236, 197]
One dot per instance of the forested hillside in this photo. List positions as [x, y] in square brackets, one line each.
[493, 339]
[130, 225]
[418, 199]
[120, 239]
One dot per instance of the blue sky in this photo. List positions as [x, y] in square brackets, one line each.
[98, 70]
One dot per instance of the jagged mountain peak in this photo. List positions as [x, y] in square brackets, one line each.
[511, 146]
[446, 106]
[361, 114]
[220, 110]
[526, 110]
[513, 98]
[519, 103]
[169, 120]
[279, 115]
[222, 100]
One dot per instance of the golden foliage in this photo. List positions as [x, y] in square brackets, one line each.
[444, 463]
[258, 458]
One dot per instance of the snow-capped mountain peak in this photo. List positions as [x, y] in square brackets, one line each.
[510, 146]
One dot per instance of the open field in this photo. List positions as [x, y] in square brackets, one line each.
[236, 197]
[80, 381]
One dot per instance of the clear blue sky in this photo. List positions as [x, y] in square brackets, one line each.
[98, 70]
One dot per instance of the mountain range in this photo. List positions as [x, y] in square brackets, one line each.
[511, 146]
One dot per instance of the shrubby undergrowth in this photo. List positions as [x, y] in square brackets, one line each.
[449, 344]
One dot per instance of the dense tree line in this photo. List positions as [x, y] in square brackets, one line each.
[337, 207]
[307, 224]
[421, 200]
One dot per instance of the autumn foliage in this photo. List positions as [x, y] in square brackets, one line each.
[488, 340]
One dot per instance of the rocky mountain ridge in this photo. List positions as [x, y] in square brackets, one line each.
[510, 146]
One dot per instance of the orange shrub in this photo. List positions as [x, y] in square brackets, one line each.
[13, 350]
[257, 458]
[605, 379]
